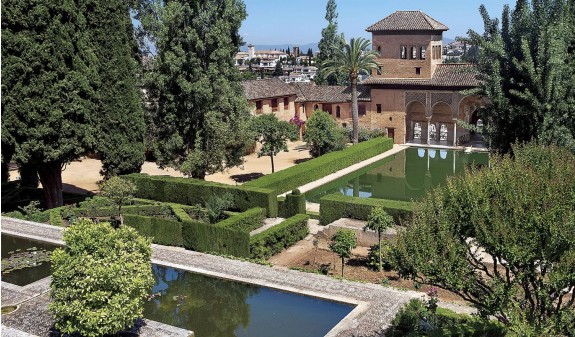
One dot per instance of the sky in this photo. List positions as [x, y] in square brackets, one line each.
[301, 21]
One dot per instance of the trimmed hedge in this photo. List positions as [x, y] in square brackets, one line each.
[208, 238]
[164, 232]
[145, 210]
[190, 191]
[56, 218]
[244, 222]
[336, 206]
[292, 204]
[317, 168]
[272, 241]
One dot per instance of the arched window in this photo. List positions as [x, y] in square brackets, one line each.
[379, 49]
[403, 52]
[413, 52]
[337, 112]
[316, 107]
[422, 52]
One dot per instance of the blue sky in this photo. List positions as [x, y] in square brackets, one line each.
[301, 21]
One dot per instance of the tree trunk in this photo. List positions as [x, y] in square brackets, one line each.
[272, 158]
[354, 112]
[379, 238]
[29, 175]
[51, 179]
[342, 264]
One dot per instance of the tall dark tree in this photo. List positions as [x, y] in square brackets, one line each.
[526, 64]
[49, 77]
[201, 107]
[329, 44]
[120, 119]
[278, 71]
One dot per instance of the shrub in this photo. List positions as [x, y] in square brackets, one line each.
[207, 238]
[216, 205]
[275, 239]
[100, 279]
[323, 135]
[373, 256]
[317, 168]
[337, 206]
[190, 191]
[120, 191]
[342, 242]
[15, 215]
[245, 222]
[294, 203]
[365, 134]
[163, 231]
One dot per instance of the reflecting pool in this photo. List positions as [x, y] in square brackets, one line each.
[29, 259]
[216, 307]
[407, 175]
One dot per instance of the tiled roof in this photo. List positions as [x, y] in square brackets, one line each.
[258, 89]
[309, 92]
[407, 20]
[446, 76]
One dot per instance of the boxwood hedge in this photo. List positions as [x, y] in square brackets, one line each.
[208, 238]
[190, 191]
[164, 232]
[337, 206]
[317, 168]
[275, 239]
[246, 221]
[291, 204]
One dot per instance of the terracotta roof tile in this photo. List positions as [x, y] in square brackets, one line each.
[407, 20]
[446, 75]
[258, 89]
[309, 92]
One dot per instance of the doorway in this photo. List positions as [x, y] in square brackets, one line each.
[391, 133]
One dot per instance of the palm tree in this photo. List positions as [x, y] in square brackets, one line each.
[353, 59]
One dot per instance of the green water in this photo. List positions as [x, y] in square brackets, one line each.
[27, 275]
[215, 307]
[407, 175]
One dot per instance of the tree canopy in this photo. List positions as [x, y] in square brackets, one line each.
[353, 59]
[323, 135]
[273, 134]
[201, 111]
[527, 68]
[328, 46]
[66, 92]
[342, 242]
[502, 239]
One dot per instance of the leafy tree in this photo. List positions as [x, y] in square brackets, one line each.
[120, 191]
[328, 46]
[379, 221]
[323, 135]
[48, 87]
[342, 242]
[502, 240]
[352, 60]
[273, 134]
[68, 79]
[99, 279]
[527, 68]
[119, 120]
[201, 106]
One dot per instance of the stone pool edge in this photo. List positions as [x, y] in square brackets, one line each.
[376, 305]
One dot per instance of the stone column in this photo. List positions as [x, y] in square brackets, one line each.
[455, 132]
[428, 129]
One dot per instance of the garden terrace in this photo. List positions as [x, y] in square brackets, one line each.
[311, 170]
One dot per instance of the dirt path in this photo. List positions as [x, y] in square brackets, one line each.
[83, 176]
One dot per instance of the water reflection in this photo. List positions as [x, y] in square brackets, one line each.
[408, 176]
[216, 307]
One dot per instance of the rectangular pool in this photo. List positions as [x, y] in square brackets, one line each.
[210, 306]
[407, 175]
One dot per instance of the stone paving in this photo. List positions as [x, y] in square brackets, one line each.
[376, 305]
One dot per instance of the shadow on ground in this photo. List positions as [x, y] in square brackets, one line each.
[242, 178]
[299, 161]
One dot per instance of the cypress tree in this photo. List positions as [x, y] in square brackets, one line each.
[527, 68]
[119, 122]
[49, 78]
[201, 107]
[328, 46]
